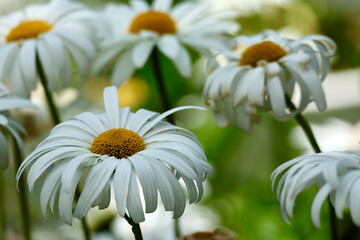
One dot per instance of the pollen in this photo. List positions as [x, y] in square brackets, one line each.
[28, 29]
[118, 142]
[267, 51]
[155, 21]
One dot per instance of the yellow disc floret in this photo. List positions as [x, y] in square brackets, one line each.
[28, 29]
[267, 51]
[155, 21]
[118, 142]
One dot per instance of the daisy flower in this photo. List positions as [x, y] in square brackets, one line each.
[139, 28]
[8, 126]
[261, 71]
[133, 151]
[45, 37]
[336, 173]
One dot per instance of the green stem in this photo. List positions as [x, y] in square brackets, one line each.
[155, 60]
[2, 207]
[135, 228]
[84, 225]
[85, 229]
[23, 200]
[310, 136]
[53, 110]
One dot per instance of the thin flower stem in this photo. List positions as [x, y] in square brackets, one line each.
[155, 60]
[49, 98]
[23, 200]
[84, 225]
[135, 228]
[310, 136]
[2, 207]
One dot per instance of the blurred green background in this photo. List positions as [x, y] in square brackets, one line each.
[239, 194]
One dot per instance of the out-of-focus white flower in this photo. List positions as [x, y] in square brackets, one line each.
[45, 37]
[139, 28]
[336, 173]
[117, 146]
[8, 126]
[261, 71]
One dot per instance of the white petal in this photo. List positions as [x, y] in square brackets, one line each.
[277, 98]
[141, 53]
[134, 205]
[28, 63]
[111, 103]
[169, 46]
[183, 62]
[123, 69]
[163, 5]
[121, 185]
[151, 124]
[147, 180]
[318, 202]
[96, 180]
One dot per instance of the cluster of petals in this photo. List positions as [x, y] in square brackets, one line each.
[192, 25]
[56, 33]
[237, 91]
[337, 175]
[8, 126]
[171, 155]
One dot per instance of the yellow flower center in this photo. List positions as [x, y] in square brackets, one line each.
[155, 21]
[267, 51]
[119, 143]
[28, 29]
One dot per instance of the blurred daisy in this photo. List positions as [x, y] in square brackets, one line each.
[45, 36]
[336, 173]
[261, 71]
[139, 28]
[120, 147]
[8, 126]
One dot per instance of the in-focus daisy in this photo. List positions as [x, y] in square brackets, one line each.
[261, 71]
[50, 35]
[336, 173]
[9, 128]
[139, 28]
[131, 151]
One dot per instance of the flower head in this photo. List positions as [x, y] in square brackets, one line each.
[8, 126]
[45, 37]
[336, 173]
[261, 72]
[139, 28]
[117, 147]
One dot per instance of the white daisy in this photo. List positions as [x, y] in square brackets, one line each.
[336, 173]
[259, 73]
[119, 147]
[138, 28]
[47, 34]
[8, 126]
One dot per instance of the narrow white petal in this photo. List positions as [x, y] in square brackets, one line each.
[123, 69]
[151, 124]
[318, 202]
[147, 180]
[134, 205]
[111, 103]
[96, 180]
[141, 53]
[163, 5]
[121, 185]
[169, 46]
